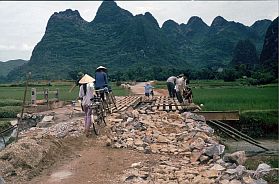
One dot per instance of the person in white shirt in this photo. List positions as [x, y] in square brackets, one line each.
[180, 87]
[86, 93]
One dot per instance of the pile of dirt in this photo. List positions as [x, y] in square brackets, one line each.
[38, 148]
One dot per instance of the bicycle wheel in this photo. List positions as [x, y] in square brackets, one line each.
[101, 114]
[112, 98]
[106, 107]
[96, 126]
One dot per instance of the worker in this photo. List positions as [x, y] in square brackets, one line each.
[148, 89]
[171, 85]
[79, 76]
[86, 93]
[188, 94]
[180, 87]
[101, 80]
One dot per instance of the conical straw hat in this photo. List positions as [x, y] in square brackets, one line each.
[86, 79]
[101, 67]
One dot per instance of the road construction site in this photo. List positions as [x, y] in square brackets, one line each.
[145, 141]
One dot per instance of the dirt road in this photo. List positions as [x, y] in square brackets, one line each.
[92, 162]
[86, 160]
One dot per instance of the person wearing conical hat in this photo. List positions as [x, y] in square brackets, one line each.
[86, 93]
[101, 79]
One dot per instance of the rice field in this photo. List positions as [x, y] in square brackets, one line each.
[219, 95]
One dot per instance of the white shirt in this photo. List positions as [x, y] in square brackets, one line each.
[89, 93]
[172, 79]
[180, 84]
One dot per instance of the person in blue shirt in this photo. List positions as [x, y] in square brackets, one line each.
[148, 90]
[101, 79]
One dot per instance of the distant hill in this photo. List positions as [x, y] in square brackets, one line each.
[6, 67]
[269, 56]
[134, 46]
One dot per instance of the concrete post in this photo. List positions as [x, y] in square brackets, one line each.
[33, 96]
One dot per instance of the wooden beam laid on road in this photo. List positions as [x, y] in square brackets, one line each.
[219, 115]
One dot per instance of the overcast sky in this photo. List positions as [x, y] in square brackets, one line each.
[22, 24]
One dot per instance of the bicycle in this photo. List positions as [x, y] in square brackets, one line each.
[98, 114]
[103, 94]
[111, 98]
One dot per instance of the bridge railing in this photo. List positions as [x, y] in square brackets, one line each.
[46, 96]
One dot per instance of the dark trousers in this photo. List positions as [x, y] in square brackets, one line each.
[101, 93]
[179, 97]
[171, 90]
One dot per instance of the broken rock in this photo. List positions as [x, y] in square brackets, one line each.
[236, 157]
[216, 149]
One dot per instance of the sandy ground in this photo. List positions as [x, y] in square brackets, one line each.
[92, 163]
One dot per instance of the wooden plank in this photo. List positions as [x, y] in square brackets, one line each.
[127, 101]
[219, 115]
[167, 107]
[179, 106]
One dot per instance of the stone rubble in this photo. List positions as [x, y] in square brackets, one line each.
[190, 153]
[188, 150]
[41, 142]
[29, 120]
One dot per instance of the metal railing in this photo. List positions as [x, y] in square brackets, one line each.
[2, 133]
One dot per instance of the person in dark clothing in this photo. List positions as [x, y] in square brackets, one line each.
[171, 84]
[79, 76]
[101, 79]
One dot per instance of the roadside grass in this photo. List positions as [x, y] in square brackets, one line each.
[269, 117]
[9, 111]
[4, 125]
[10, 102]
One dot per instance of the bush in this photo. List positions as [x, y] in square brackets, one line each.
[262, 78]
[9, 111]
[229, 75]
[260, 123]
[4, 125]
[10, 102]
[118, 83]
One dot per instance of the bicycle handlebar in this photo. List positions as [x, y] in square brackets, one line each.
[105, 89]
